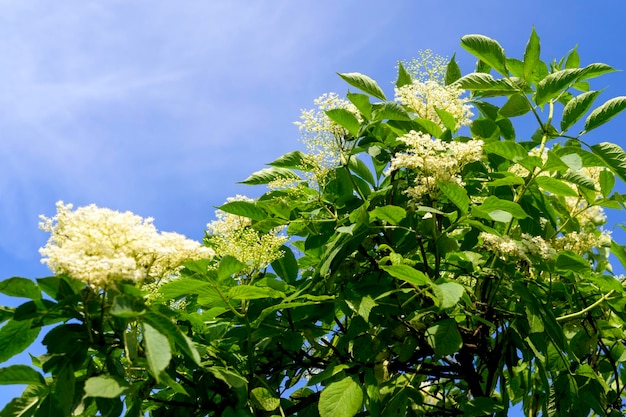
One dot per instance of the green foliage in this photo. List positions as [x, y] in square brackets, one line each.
[426, 273]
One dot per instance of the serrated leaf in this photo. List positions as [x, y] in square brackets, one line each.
[247, 209]
[15, 336]
[157, 348]
[20, 287]
[390, 214]
[596, 69]
[358, 167]
[450, 294]
[361, 102]
[343, 398]
[267, 175]
[251, 292]
[407, 274]
[264, 399]
[444, 337]
[286, 266]
[174, 334]
[228, 266]
[487, 50]
[453, 71]
[404, 78]
[103, 386]
[346, 119]
[613, 157]
[516, 105]
[448, 120]
[363, 83]
[507, 149]
[20, 407]
[573, 59]
[456, 194]
[607, 182]
[293, 159]
[531, 55]
[576, 108]
[556, 83]
[20, 375]
[389, 111]
[605, 112]
[555, 186]
[480, 81]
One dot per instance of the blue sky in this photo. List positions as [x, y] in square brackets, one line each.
[161, 107]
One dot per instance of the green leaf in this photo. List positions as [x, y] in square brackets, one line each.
[555, 186]
[359, 168]
[531, 55]
[613, 156]
[573, 59]
[444, 337]
[595, 70]
[456, 194]
[244, 209]
[487, 50]
[157, 348]
[286, 266]
[264, 399]
[570, 261]
[407, 274]
[453, 71]
[293, 159]
[516, 105]
[485, 82]
[497, 209]
[231, 378]
[21, 407]
[267, 175]
[404, 78]
[15, 336]
[556, 83]
[448, 120]
[363, 83]
[165, 327]
[607, 182]
[181, 286]
[228, 266]
[20, 287]
[389, 111]
[346, 119]
[449, 294]
[576, 107]
[250, 292]
[482, 406]
[126, 307]
[361, 102]
[20, 375]
[391, 214]
[343, 398]
[104, 386]
[507, 149]
[605, 112]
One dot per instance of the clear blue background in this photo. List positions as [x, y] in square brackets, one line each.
[161, 107]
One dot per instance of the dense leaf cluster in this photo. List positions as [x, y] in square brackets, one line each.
[381, 304]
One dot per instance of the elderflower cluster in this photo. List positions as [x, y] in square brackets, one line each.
[428, 67]
[582, 242]
[233, 235]
[522, 248]
[323, 138]
[99, 246]
[434, 160]
[426, 97]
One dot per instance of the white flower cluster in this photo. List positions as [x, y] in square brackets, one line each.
[434, 160]
[323, 138]
[232, 235]
[523, 248]
[582, 242]
[428, 67]
[425, 97]
[99, 246]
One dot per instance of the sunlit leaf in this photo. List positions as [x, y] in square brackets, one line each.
[407, 274]
[363, 83]
[487, 50]
[456, 194]
[444, 337]
[157, 348]
[103, 386]
[531, 55]
[390, 214]
[20, 287]
[605, 112]
[346, 119]
[20, 375]
[453, 71]
[613, 156]
[404, 78]
[576, 108]
[15, 336]
[342, 398]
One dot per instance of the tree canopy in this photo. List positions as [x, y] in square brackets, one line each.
[418, 257]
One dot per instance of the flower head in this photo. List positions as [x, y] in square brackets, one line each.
[99, 246]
